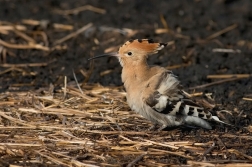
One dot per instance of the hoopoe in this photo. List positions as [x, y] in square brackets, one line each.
[155, 92]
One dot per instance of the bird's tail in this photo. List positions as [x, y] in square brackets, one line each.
[215, 118]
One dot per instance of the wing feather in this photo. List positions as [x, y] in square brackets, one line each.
[169, 99]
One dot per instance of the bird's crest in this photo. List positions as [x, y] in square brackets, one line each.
[147, 46]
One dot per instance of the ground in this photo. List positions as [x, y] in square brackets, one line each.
[47, 121]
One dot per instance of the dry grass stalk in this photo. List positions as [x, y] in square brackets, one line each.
[215, 83]
[24, 36]
[178, 66]
[96, 126]
[55, 25]
[80, 9]
[225, 30]
[20, 46]
[248, 99]
[225, 76]
[26, 64]
[223, 50]
[12, 28]
[74, 34]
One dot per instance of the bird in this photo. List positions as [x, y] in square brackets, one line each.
[155, 92]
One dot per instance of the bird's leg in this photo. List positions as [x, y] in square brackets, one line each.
[162, 127]
[152, 128]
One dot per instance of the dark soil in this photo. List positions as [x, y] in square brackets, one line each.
[191, 24]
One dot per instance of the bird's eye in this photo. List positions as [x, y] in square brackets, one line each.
[129, 53]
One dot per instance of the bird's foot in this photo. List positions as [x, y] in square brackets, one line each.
[152, 128]
[161, 128]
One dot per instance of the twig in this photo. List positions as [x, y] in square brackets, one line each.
[3, 54]
[248, 99]
[195, 163]
[86, 74]
[164, 22]
[229, 76]
[106, 72]
[214, 83]
[55, 25]
[221, 32]
[44, 37]
[19, 46]
[24, 36]
[21, 122]
[178, 66]
[78, 163]
[225, 147]
[229, 161]
[54, 160]
[240, 153]
[69, 36]
[138, 158]
[27, 65]
[118, 30]
[7, 70]
[20, 144]
[65, 87]
[196, 94]
[209, 149]
[249, 128]
[161, 31]
[188, 56]
[114, 122]
[12, 27]
[77, 82]
[162, 144]
[80, 9]
[76, 92]
[169, 152]
[168, 30]
[18, 69]
[222, 50]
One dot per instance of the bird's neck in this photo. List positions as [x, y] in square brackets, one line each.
[133, 73]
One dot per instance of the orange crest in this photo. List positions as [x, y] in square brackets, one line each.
[142, 46]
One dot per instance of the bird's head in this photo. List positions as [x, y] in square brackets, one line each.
[135, 51]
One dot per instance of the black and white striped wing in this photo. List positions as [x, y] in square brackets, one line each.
[169, 99]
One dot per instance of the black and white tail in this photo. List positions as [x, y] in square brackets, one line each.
[171, 101]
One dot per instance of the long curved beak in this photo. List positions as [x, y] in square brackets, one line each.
[114, 54]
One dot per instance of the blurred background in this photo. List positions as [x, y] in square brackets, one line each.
[41, 42]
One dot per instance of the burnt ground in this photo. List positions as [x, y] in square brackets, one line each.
[211, 37]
